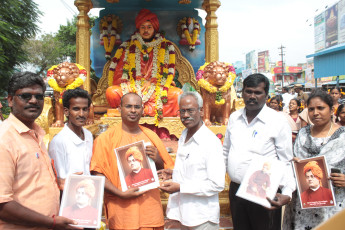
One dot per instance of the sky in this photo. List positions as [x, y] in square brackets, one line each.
[243, 26]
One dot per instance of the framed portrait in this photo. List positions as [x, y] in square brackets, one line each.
[136, 169]
[314, 189]
[82, 200]
[261, 180]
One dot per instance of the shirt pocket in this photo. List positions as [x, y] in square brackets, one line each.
[258, 144]
[195, 164]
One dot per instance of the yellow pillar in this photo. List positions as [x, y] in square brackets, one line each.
[83, 38]
[211, 34]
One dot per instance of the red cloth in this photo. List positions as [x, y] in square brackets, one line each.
[146, 15]
[320, 197]
[145, 176]
[258, 183]
[84, 216]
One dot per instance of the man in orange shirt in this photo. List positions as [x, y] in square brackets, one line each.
[130, 209]
[29, 196]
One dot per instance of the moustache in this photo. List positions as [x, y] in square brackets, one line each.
[187, 119]
[32, 107]
[81, 118]
[254, 101]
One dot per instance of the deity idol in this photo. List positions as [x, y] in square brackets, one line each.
[145, 64]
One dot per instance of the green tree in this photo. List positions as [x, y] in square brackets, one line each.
[67, 37]
[17, 23]
[43, 52]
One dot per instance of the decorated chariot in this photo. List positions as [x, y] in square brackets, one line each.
[182, 54]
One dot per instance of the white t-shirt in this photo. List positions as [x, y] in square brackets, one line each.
[70, 153]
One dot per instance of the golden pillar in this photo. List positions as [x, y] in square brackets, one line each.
[211, 34]
[83, 38]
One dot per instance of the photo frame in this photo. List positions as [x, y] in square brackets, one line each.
[309, 172]
[136, 169]
[82, 200]
[261, 180]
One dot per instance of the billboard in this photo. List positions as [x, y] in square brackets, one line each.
[329, 27]
[320, 31]
[251, 60]
[331, 18]
[341, 22]
[263, 61]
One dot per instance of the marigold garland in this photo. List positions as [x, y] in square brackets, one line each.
[79, 81]
[109, 46]
[212, 89]
[196, 31]
[163, 69]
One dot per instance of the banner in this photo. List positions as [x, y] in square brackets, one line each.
[319, 32]
[331, 17]
[263, 61]
[246, 73]
[250, 60]
[341, 22]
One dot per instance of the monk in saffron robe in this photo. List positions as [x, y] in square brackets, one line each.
[315, 195]
[130, 209]
[152, 78]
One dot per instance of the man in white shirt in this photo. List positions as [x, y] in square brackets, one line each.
[199, 173]
[71, 148]
[286, 98]
[252, 131]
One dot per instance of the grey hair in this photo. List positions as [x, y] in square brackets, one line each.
[194, 94]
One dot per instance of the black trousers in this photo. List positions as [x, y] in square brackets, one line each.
[247, 215]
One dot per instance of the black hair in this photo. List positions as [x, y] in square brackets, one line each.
[255, 79]
[335, 87]
[23, 80]
[74, 93]
[130, 94]
[324, 96]
[279, 101]
[341, 106]
[298, 101]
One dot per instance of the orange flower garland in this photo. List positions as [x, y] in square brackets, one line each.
[79, 81]
[212, 89]
[163, 69]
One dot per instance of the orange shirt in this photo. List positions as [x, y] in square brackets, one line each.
[143, 211]
[26, 175]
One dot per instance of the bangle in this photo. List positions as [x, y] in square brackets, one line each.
[54, 222]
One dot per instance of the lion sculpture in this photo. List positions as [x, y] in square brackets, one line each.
[215, 86]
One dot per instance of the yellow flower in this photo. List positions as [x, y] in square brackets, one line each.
[221, 102]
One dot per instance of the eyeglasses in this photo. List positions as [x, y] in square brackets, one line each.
[27, 96]
[190, 111]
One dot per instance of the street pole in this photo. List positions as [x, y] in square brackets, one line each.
[282, 54]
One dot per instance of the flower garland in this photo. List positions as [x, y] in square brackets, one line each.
[108, 46]
[212, 89]
[196, 31]
[79, 81]
[163, 69]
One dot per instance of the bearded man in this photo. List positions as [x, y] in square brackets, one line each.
[145, 64]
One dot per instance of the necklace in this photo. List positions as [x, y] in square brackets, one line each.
[325, 138]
